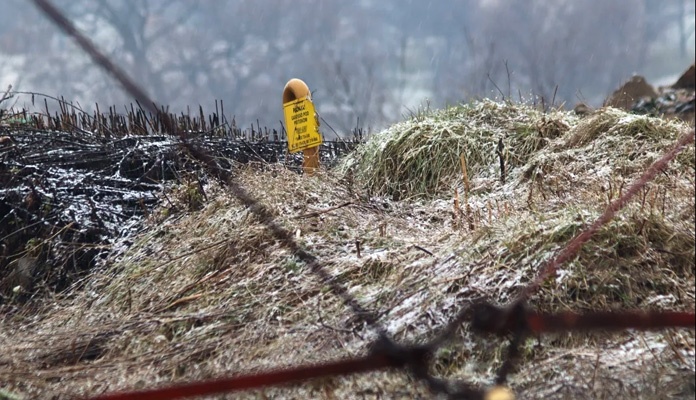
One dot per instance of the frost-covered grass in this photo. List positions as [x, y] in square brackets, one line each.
[210, 292]
[422, 156]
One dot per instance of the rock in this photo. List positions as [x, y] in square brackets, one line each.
[21, 275]
[5, 141]
[687, 80]
[582, 109]
[630, 92]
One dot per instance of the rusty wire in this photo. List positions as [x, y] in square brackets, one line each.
[224, 175]
[483, 317]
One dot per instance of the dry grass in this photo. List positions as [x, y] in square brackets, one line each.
[209, 293]
[420, 157]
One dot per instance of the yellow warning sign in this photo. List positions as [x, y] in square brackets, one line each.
[302, 125]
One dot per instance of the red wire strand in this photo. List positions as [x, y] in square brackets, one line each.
[608, 320]
[578, 241]
[254, 381]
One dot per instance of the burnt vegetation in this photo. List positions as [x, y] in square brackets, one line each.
[73, 183]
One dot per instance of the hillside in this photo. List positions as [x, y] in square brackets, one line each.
[416, 223]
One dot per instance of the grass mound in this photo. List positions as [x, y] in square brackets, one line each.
[207, 291]
[422, 156]
[629, 141]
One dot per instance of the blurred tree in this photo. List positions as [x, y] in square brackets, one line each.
[565, 46]
[663, 16]
[369, 61]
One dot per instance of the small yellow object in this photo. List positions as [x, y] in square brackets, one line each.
[500, 393]
[300, 117]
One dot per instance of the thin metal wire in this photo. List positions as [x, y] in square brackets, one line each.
[258, 209]
[574, 245]
[482, 316]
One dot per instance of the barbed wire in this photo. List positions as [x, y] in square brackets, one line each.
[516, 320]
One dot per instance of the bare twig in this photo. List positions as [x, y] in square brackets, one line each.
[424, 250]
[7, 94]
[496, 86]
[501, 156]
[319, 212]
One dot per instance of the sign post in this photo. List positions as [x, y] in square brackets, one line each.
[302, 124]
